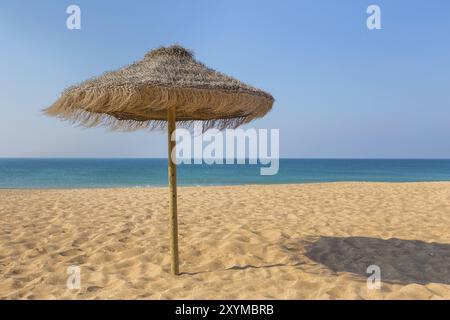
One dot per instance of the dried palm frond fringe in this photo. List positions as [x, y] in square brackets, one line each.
[138, 96]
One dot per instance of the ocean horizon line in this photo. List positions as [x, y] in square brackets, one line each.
[281, 158]
[135, 172]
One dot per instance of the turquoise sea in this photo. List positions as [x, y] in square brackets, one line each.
[93, 173]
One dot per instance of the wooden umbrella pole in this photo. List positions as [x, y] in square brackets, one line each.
[172, 169]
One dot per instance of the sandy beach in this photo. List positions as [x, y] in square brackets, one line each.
[310, 241]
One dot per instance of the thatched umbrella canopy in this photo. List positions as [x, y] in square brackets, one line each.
[167, 85]
[138, 95]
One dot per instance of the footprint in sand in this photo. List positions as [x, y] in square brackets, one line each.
[94, 288]
[70, 252]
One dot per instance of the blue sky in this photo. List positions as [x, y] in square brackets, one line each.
[341, 90]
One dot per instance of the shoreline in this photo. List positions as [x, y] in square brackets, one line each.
[127, 173]
[231, 185]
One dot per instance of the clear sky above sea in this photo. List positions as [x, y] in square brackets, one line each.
[341, 90]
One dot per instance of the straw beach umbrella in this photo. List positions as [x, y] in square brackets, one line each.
[167, 87]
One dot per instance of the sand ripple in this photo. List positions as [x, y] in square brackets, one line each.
[250, 242]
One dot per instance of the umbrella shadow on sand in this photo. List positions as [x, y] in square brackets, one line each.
[400, 261]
